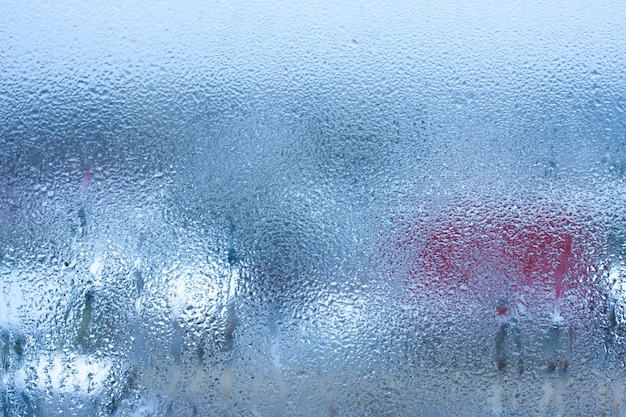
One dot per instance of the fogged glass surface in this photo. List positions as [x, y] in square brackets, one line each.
[312, 209]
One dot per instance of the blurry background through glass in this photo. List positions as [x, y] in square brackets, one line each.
[327, 208]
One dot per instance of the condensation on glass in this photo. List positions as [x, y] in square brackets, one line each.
[265, 209]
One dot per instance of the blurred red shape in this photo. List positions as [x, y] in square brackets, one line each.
[500, 248]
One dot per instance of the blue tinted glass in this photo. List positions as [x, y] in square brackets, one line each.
[222, 208]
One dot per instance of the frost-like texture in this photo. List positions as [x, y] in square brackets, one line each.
[322, 208]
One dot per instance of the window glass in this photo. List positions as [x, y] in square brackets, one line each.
[224, 208]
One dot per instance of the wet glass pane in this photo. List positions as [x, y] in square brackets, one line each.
[326, 208]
